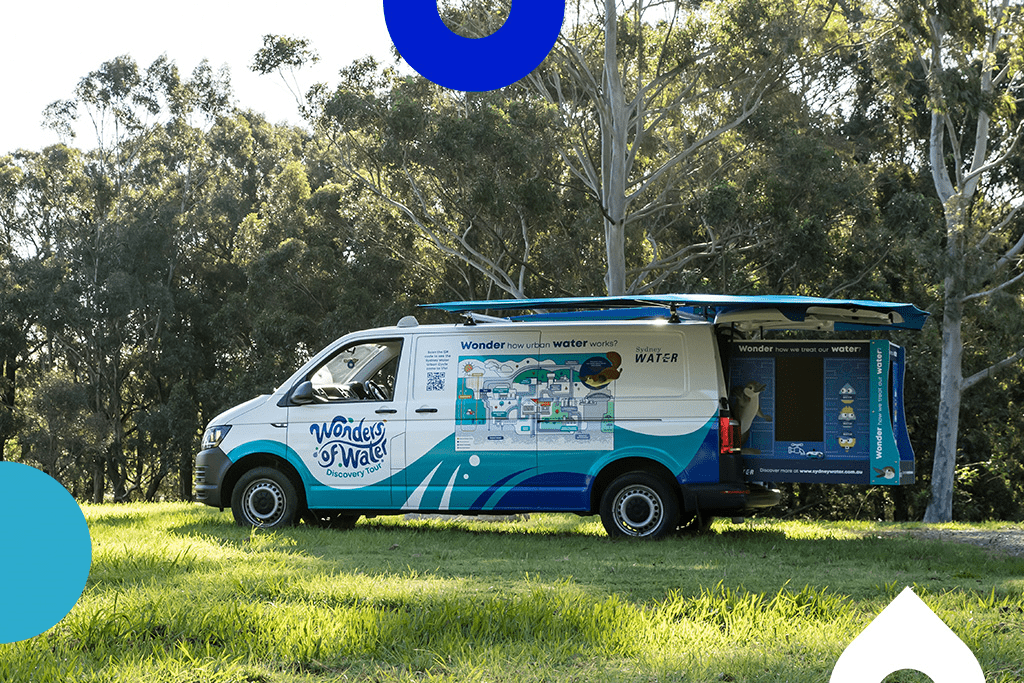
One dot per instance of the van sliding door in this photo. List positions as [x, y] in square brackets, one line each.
[473, 411]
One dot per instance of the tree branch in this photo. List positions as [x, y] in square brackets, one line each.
[1012, 252]
[1008, 283]
[992, 370]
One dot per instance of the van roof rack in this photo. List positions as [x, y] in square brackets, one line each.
[473, 318]
[745, 312]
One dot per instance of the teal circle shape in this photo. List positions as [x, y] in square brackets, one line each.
[45, 552]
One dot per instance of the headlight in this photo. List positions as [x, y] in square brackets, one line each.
[214, 436]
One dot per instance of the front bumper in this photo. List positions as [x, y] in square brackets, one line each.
[211, 468]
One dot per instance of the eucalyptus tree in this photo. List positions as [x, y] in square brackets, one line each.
[44, 197]
[12, 319]
[649, 95]
[618, 116]
[121, 251]
[964, 62]
[475, 176]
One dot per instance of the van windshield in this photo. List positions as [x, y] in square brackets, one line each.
[355, 363]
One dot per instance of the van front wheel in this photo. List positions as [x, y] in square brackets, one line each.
[264, 498]
[639, 505]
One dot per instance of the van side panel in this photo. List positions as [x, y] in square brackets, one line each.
[471, 429]
[525, 420]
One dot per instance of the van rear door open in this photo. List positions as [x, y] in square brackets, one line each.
[808, 411]
[820, 412]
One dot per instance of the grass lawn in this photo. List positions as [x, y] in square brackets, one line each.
[178, 593]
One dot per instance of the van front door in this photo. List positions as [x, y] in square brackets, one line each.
[347, 423]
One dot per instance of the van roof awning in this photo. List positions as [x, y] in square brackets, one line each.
[769, 312]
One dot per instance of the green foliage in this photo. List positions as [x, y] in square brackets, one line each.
[475, 175]
[193, 254]
[281, 51]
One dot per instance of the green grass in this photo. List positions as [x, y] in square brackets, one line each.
[177, 593]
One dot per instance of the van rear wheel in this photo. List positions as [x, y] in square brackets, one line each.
[264, 498]
[639, 505]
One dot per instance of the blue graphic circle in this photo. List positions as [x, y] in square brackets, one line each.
[474, 64]
[46, 553]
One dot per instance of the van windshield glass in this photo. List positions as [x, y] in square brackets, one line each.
[352, 363]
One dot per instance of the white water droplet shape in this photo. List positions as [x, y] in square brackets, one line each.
[416, 499]
[447, 497]
[907, 635]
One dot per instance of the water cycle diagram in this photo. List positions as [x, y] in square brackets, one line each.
[559, 402]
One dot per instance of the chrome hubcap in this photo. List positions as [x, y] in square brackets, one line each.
[638, 510]
[264, 502]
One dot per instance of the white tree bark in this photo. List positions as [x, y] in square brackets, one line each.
[957, 194]
[624, 121]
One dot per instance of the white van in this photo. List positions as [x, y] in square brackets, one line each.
[656, 413]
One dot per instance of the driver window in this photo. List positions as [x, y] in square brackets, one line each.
[361, 372]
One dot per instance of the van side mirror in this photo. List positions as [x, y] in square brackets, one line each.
[302, 394]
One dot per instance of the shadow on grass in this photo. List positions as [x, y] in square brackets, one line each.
[544, 550]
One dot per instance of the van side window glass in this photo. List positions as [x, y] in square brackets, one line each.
[361, 372]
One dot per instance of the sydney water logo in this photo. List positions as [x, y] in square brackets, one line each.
[350, 445]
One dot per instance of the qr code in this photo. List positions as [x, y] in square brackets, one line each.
[435, 381]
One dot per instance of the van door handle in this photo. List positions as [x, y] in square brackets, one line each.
[386, 411]
[426, 410]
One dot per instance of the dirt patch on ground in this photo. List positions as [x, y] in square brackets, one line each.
[1004, 541]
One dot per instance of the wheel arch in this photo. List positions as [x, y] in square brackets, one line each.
[254, 460]
[616, 468]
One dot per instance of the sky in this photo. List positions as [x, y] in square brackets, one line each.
[48, 47]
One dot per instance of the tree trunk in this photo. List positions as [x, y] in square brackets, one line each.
[97, 479]
[940, 508]
[614, 157]
[7, 396]
[185, 478]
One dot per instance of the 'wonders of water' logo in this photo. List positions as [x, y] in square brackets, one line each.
[349, 445]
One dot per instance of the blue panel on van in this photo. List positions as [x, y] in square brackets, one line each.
[554, 491]
[820, 412]
[705, 466]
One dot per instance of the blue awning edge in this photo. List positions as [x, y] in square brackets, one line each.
[764, 311]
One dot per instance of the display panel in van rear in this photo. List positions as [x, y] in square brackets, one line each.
[821, 412]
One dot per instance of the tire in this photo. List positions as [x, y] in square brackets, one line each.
[265, 498]
[639, 505]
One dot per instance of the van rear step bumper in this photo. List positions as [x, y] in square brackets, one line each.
[728, 498]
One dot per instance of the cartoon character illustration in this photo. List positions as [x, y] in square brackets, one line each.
[747, 405]
[847, 394]
[847, 415]
[885, 472]
[815, 454]
[600, 371]
[847, 441]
